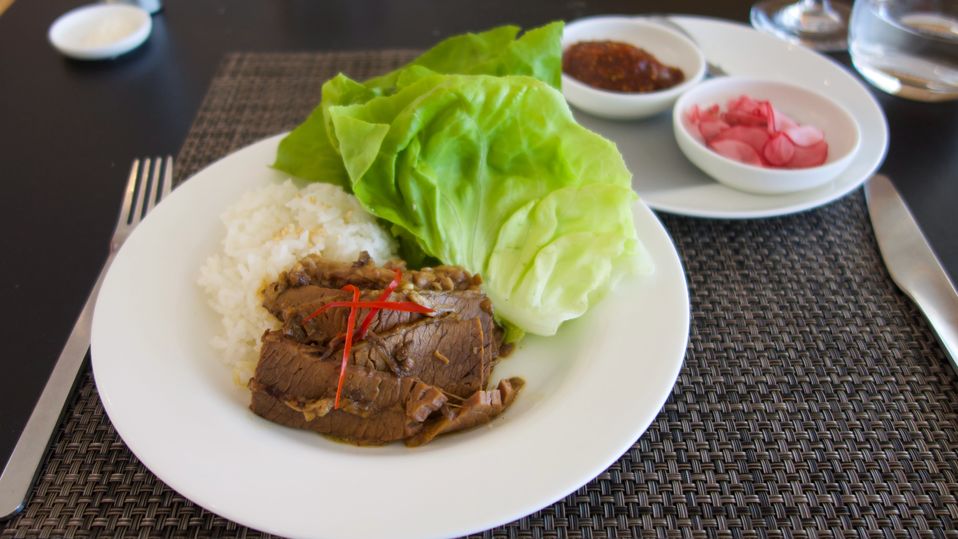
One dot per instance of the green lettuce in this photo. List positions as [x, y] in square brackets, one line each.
[310, 153]
[475, 166]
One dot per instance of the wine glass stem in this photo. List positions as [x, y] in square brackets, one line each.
[819, 6]
[811, 16]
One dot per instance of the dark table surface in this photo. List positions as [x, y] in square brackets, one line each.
[69, 129]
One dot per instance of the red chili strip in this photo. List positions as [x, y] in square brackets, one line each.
[350, 326]
[404, 306]
[397, 277]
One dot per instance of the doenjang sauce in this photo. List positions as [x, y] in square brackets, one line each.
[619, 67]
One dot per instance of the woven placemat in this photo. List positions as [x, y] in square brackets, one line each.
[814, 401]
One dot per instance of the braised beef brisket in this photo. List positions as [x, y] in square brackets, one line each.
[412, 377]
[478, 409]
[295, 388]
[364, 274]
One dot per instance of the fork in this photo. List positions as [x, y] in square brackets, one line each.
[149, 182]
[711, 69]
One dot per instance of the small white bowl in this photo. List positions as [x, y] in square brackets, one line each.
[99, 31]
[805, 106]
[668, 46]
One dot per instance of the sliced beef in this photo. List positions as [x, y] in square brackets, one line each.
[456, 355]
[478, 409]
[454, 350]
[406, 375]
[292, 368]
[364, 274]
[390, 424]
[295, 388]
[294, 305]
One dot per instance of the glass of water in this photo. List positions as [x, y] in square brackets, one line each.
[907, 48]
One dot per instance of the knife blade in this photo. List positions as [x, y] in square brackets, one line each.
[912, 263]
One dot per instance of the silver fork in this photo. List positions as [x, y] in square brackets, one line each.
[149, 182]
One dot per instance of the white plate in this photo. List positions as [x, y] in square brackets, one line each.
[667, 181]
[591, 391]
[99, 31]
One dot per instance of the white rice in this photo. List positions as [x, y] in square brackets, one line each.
[267, 231]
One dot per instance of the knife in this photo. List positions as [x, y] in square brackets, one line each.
[911, 262]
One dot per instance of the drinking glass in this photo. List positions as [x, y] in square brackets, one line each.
[818, 24]
[907, 48]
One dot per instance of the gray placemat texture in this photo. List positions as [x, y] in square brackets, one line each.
[814, 401]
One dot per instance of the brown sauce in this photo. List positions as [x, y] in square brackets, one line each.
[619, 67]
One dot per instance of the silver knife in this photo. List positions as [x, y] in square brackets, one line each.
[911, 262]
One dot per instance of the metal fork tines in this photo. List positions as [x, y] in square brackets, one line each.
[149, 182]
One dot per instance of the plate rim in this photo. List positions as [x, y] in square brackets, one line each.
[147, 456]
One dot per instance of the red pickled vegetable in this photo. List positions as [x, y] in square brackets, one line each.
[779, 150]
[754, 132]
[779, 121]
[804, 135]
[737, 117]
[809, 156]
[737, 150]
[756, 137]
[712, 128]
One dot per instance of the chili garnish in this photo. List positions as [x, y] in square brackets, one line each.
[374, 307]
[397, 277]
[350, 325]
[404, 306]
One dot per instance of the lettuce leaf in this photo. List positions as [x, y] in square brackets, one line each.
[536, 53]
[479, 167]
[308, 152]
[495, 175]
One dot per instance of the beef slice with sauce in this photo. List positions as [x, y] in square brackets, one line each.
[482, 407]
[399, 377]
[365, 275]
[293, 306]
[293, 387]
[454, 354]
